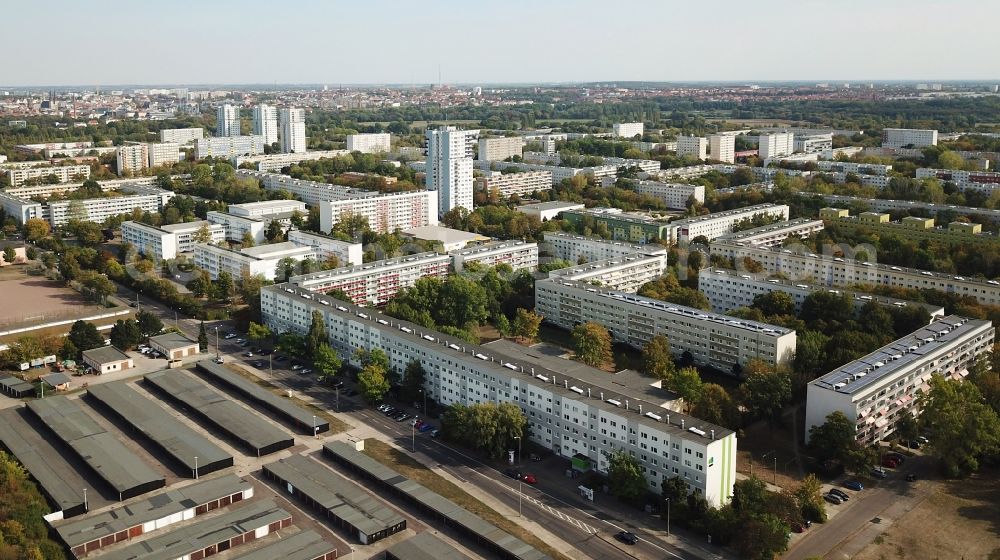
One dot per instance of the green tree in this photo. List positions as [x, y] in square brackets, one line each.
[762, 537]
[258, 332]
[950, 160]
[413, 381]
[625, 475]
[774, 303]
[274, 233]
[327, 362]
[526, 325]
[84, 336]
[372, 383]
[247, 240]
[316, 335]
[686, 382]
[202, 235]
[125, 334]
[9, 255]
[224, 286]
[906, 427]
[149, 324]
[202, 337]
[658, 359]
[963, 427]
[461, 302]
[291, 344]
[836, 439]
[36, 229]
[592, 344]
[715, 405]
[749, 495]
[766, 390]
[810, 497]
[100, 286]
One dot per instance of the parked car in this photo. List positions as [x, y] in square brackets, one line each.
[426, 427]
[854, 485]
[513, 473]
[911, 477]
[230, 336]
[218, 360]
[307, 371]
[912, 444]
[296, 367]
[258, 364]
[627, 537]
[833, 499]
[840, 494]
[401, 417]
[890, 462]
[435, 432]
[529, 478]
[879, 473]
[280, 358]
[249, 354]
[899, 457]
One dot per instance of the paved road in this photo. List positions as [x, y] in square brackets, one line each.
[850, 525]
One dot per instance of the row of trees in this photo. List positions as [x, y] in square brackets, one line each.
[23, 532]
[487, 427]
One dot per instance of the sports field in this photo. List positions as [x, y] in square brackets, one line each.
[30, 300]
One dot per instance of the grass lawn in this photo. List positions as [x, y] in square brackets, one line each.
[410, 468]
[336, 425]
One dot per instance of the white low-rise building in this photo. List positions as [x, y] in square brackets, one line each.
[236, 226]
[376, 283]
[262, 259]
[371, 143]
[813, 143]
[727, 290]
[546, 211]
[449, 239]
[717, 340]
[577, 414]
[228, 147]
[522, 184]
[718, 224]
[875, 391]
[673, 195]
[62, 173]
[347, 253]
[166, 242]
[580, 249]
[268, 209]
[517, 254]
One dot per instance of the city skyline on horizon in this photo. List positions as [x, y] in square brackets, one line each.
[557, 42]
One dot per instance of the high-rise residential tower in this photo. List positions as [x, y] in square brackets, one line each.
[265, 123]
[293, 130]
[227, 120]
[449, 166]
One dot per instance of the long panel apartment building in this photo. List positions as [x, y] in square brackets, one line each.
[875, 391]
[62, 173]
[524, 183]
[626, 274]
[499, 149]
[181, 135]
[727, 290]
[775, 234]
[262, 259]
[519, 255]
[718, 224]
[372, 143]
[982, 181]
[385, 212]
[228, 147]
[719, 341]
[836, 271]
[673, 195]
[277, 162]
[580, 249]
[166, 242]
[325, 247]
[376, 283]
[147, 199]
[623, 226]
[569, 415]
[908, 137]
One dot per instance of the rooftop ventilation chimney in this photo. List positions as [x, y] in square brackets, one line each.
[640, 409]
[588, 392]
[713, 435]
[626, 404]
[682, 423]
[566, 383]
[668, 419]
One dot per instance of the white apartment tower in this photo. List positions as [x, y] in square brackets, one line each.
[692, 145]
[903, 137]
[293, 130]
[722, 147]
[775, 145]
[449, 166]
[132, 158]
[371, 143]
[227, 120]
[265, 123]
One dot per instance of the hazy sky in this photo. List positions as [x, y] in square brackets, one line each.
[87, 42]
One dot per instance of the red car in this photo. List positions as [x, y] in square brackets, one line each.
[890, 462]
[529, 479]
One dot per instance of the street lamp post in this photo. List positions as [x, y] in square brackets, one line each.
[315, 434]
[668, 516]
[424, 394]
[336, 391]
[413, 436]
[518, 438]
[196, 467]
[270, 366]
[218, 351]
[519, 497]
[86, 506]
